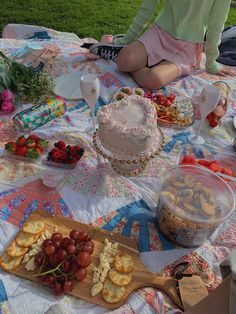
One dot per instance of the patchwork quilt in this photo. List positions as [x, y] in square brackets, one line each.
[94, 193]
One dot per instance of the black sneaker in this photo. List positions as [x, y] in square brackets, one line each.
[106, 51]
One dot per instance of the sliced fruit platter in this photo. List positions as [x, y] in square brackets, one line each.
[223, 164]
[70, 257]
[172, 111]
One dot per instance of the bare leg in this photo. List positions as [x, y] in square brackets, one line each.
[157, 76]
[133, 58]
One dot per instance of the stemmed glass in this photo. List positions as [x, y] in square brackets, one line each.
[90, 88]
[207, 102]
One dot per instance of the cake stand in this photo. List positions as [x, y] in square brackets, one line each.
[130, 166]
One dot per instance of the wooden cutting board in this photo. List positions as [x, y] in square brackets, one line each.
[141, 276]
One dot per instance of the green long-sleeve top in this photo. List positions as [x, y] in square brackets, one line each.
[188, 20]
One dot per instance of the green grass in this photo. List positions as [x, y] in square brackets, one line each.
[86, 18]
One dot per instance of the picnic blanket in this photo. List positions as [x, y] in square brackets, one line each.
[94, 193]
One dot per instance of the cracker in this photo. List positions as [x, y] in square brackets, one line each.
[15, 250]
[26, 239]
[112, 293]
[172, 190]
[8, 262]
[168, 196]
[123, 262]
[189, 181]
[120, 279]
[207, 207]
[34, 227]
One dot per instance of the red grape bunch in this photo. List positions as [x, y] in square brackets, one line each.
[64, 259]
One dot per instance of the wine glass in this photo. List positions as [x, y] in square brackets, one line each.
[90, 88]
[207, 102]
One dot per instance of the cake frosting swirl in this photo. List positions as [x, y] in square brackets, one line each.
[128, 128]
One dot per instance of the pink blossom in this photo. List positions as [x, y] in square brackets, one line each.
[7, 106]
[7, 95]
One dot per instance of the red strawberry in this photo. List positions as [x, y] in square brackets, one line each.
[77, 148]
[10, 146]
[171, 97]
[188, 160]
[148, 94]
[161, 99]
[63, 156]
[21, 141]
[73, 150]
[61, 145]
[227, 171]
[214, 123]
[56, 153]
[30, 143]
[204, 163]
[168, 102]
[215, 166]
[32, 153]
[21, 151]
[41, 144]
[34, 137]
[54, 150]
[39, 148]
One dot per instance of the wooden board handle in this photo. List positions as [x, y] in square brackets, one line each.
[165, 284]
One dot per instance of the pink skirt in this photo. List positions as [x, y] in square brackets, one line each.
[161, 46]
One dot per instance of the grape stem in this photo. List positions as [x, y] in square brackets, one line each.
[44, 259]
[49, 271]
[92, 232]
[64, 275]
[78, 246]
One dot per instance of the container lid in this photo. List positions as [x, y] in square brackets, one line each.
[196, 194]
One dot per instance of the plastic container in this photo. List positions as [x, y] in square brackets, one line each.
[211, 153]
[35, 146]
[193, 202]
[9, 155]
[61, 163]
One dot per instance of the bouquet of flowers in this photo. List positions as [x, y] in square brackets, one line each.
[19, 84]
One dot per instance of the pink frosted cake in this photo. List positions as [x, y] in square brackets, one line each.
[128, 129]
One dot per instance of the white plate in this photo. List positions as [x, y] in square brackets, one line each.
[68, 86]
